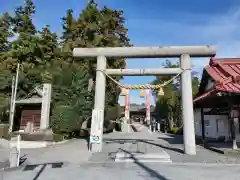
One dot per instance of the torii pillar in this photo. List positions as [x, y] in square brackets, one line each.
[182, 52]
[127, 105]
[148, 111]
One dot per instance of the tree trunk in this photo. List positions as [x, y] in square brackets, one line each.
[171, 123]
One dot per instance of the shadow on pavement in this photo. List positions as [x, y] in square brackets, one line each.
[173, 139]
[22, 159]
[44, 165]
[135, 141]
[151, 172]
[166, 147]
[123, 141]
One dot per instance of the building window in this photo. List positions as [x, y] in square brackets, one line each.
[206, 123]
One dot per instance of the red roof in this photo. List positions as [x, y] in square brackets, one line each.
[226, 74]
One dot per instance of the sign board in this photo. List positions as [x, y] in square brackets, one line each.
[96, 126]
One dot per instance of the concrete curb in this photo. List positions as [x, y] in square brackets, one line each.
[215, 150]
[204, 164]
[221, 151]
[12, 168]
[37, 144]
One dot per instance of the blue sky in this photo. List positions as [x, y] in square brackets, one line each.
[157, 23]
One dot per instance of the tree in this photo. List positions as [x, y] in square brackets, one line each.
[5, 75]
[5, 33]
[72, 100]
[48, 43]
[22, 20]
[96, 27]
[25, 49]
[43, 59]
[169, 105]
[195, 85]
[67, 36]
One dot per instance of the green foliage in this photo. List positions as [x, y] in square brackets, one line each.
[73, 102]
[5, 33]
[44, 59]
[169, 106]
[175, 130]
[113, 112]
[5, 74]
[22, 20]
[58, 137]
[96, 27]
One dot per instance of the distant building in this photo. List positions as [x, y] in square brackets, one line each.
[136, 109]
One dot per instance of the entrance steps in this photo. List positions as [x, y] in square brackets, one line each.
[140, 147]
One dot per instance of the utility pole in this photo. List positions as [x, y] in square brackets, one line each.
[13, 100]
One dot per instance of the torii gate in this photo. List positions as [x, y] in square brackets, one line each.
[184, 52]
[125, 94]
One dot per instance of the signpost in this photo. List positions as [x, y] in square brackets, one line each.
[96, 129]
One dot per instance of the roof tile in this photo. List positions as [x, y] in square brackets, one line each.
[226, 73]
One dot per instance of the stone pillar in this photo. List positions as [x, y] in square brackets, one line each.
[127, 105]
[99, 101]
[187, 106]
[148, 111]
[158, 126]
[46, 103]
[234, 132]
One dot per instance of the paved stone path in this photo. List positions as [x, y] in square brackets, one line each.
[128, 171]
[4, 153]
[72, 161]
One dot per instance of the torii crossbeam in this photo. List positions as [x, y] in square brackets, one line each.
[183, 52]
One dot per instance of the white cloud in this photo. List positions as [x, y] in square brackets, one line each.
[219, 30]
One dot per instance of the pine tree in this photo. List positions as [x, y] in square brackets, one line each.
[73, 103]
[5, 32]
[97, 27]
[48, 43]
[68, 27]
[23, 19]
[5, 74]
[24, 49]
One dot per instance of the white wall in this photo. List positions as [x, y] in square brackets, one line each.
[218, 125]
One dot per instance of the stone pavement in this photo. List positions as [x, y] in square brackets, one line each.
[72, 152]
[4, 153]
[72, 161]
[128, 171]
